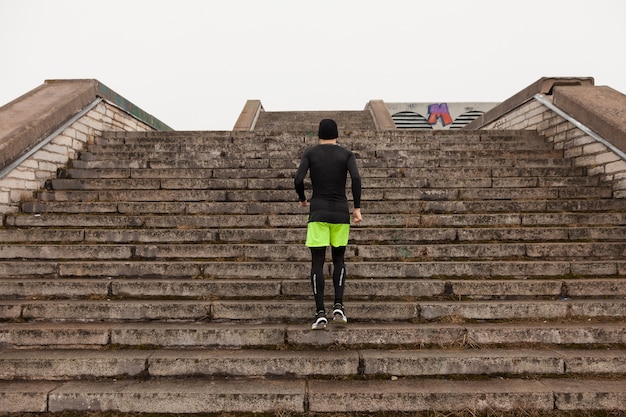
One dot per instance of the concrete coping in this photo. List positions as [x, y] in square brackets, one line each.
[28, 119]
[545, 85]
[248, 116]
[600, 108]
[381, 115]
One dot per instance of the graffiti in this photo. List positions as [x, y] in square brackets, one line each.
[439, 112]
[436, 115]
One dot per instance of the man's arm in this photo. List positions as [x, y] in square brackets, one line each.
[355, 178]
[299, 179]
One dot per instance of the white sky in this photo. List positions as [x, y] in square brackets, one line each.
[194, 63]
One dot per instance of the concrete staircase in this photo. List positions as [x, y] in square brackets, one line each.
[166, 273]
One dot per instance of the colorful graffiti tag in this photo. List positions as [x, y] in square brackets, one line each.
[439, 112]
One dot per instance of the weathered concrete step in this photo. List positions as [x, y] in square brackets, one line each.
[299, 253]
[80, 334]
[162, 396]
[479, 396]
[573, 192]
[219, 148]
[171, 173]
[495, 251]
[295, 310]
[66, 364]
[319, 396]
[469, 153]
[360, 289]
[222, 195]
[520, 161]
[298, 220]
[372, 207]
[305, 135]
[358, 235]
[298, 270]
[416, 152]
[233, 184]
[478, 172]
[278, 151]
[415, 194]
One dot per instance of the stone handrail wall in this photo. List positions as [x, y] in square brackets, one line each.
[61, 143]
[380, 114]
[591, 112]
[248, 116]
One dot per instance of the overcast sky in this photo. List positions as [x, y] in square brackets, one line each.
[194, 63]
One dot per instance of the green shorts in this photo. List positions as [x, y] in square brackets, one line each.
[320, 234]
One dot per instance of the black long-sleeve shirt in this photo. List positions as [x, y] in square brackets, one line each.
[328, 165]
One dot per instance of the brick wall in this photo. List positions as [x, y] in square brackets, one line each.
[564, 134]
[20, 183]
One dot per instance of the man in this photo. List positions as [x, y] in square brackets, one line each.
[329, 214]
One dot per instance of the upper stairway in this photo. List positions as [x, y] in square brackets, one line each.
[166, 272]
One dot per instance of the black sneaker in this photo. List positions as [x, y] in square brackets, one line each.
[339, 317]
[320, 321]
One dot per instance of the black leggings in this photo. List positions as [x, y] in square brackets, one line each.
[318, 256]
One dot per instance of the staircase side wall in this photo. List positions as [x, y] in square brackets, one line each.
[578, 144]
[20, 183]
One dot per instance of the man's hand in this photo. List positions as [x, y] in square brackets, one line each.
[304, 203]
[356, 215]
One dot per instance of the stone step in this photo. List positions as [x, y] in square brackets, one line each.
[291, 395]
[283, 337]
[360, 289]
[407, 184]
[220, 148]
[366, 137]
[296, 270]
[299, 253]
[520, 161]
[358, 235]
[275, 207]
[305, 135]
[86, 364]
[363, 140]
[408, 220]
[417, 152]
[290, 311]
[287, 195]
[479, 172]
[458, 179]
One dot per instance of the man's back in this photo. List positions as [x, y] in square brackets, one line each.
[328, 165]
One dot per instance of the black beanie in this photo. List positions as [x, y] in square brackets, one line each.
[328, 129]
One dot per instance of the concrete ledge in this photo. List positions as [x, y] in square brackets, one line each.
[544, 85]
[291, 395]
[600, 108]
[380, 113]
[36, 114]
[27, 120]
[248, 116]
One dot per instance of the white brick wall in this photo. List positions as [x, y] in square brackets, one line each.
[30, 176]
[584, 149]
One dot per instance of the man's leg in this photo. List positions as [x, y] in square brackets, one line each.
[318, 255]
[339, 272]
[339, 281]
